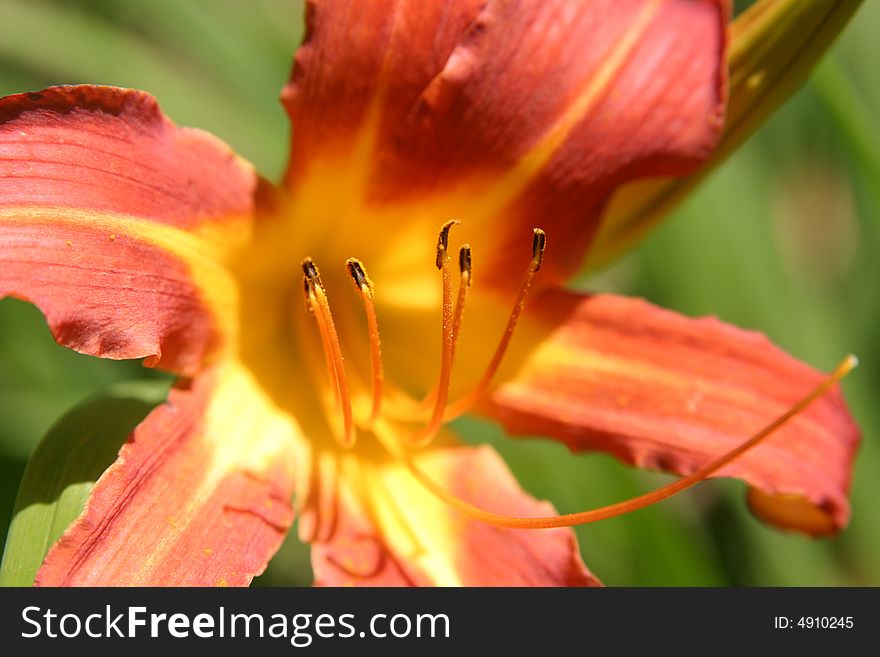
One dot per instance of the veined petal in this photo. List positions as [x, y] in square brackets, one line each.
[548, 106]
[667, 392]
[388, 530]
[200, 495]
[115, 223]
[105, 291]
[534, 117]
[361, 68]
[112, 150]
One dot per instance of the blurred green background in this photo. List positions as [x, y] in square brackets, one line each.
[783, 238]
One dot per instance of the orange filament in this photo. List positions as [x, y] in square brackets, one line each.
[465, 403]
[636, 503]
[465, 266]
[364, 287]
[318, 508]
[447, 347]
[316, 297]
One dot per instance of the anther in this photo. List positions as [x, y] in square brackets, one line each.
[357, 273]
[539, 241]
[311, 271]
[464, 263]
[364, 288]
[443, 241]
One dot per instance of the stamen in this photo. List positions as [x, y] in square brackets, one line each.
[364, 287]
[636, 503]
[465, 267]
[317, 297]
[443, 242]
[427, 434]
[461, 406]
[539, 243]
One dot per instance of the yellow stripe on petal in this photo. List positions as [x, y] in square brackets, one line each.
[243, 432]
[416, 525]
[663, 391]
[241, 408]
[201, 494]
[502, 190]
[391, 531]
[203, 250]
[599, 84]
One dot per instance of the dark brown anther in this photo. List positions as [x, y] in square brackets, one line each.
[443, 241]
[357, 273]
[311, 271]
[539, 241]
[464, 261]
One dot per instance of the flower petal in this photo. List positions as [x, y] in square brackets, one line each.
[359, 57]
[113, 151]
[664, 391]
[200, 495]
[389, 530]
[523, 124]
[114, 222]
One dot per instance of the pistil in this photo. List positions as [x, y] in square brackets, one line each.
[627, 506]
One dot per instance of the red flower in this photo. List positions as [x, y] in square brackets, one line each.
[139, 239]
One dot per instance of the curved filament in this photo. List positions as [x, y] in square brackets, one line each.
[636, 503]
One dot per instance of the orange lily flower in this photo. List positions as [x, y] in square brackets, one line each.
[320, 353]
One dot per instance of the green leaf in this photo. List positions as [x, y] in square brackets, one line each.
[856, 125]
[63, 468]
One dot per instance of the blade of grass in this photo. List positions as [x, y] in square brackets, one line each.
[62, 470]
